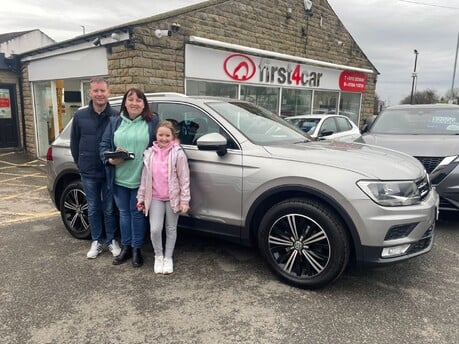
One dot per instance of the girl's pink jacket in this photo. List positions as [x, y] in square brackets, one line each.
[178, 179]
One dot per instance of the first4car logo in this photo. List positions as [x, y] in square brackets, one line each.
[241, 67]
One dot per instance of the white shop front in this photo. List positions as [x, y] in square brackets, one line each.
[284, 84]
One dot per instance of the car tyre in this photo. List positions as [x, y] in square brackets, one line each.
[74, 211]
[304, 243]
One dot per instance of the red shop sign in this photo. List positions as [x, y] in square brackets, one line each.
[4, 102]
[352, 81]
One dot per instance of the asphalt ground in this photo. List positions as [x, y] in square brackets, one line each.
[219, 293]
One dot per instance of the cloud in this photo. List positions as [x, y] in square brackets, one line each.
[386, 30]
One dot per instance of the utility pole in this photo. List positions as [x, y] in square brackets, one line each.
[451, 98]
[414, 75]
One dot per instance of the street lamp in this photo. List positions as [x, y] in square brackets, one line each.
[414, 75]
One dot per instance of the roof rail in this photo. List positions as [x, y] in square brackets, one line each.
[153, 94]
[159, 94]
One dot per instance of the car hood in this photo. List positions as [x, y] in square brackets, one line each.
[416, 145]
[368, 161]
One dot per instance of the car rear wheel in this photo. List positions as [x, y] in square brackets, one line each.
[304, 243]
[74, 211]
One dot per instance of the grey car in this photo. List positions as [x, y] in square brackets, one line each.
[430, 133]
[309, 207]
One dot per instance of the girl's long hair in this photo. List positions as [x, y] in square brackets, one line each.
[146, 114]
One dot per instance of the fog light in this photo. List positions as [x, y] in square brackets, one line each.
[394, 251]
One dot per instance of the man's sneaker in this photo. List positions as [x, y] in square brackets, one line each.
[95, 249]
[168, 267]
[114, 248]
[159, 262]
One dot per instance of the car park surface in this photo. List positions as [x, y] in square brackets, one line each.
[220, 291]
[309, 207]
[326, 127]
[428, 132]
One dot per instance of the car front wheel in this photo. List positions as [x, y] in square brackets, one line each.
[74, 211]
[304, 243]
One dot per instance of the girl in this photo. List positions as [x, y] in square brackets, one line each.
[132, 131]
[164, 191]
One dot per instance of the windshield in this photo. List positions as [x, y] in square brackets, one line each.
[259, 125]
[420, 121]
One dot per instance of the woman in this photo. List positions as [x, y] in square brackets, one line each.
[132, 131]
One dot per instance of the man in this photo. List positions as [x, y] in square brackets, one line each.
[88, 125]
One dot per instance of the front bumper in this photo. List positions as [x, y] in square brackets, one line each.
[398, 233]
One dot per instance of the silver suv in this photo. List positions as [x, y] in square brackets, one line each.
[308, 206]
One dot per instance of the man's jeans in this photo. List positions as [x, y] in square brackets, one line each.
[133, 223]
[100, 209]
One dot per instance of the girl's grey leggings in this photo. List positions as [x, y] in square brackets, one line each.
[159, 209]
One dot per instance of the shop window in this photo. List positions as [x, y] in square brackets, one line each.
[325, 102]
[349, 106]
[295, 102]
[267, 97]
[43, 101]
[214, 89]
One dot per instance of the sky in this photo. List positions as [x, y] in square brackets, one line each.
[388, 32]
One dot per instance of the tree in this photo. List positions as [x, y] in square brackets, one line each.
[428, 96]
[455, 96]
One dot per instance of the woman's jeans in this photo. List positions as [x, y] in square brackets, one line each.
[100, 209]
[132, 222]
[157, 211]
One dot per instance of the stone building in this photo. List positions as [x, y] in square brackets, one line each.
[284, 55]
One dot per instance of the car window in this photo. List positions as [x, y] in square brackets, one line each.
[257, 124]
[343, 124]
[328, 124]
[191, 123]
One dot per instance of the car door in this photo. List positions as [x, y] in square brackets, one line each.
[216, 181]
[347, 131]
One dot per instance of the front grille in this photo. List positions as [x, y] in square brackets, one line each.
[424, 187]
[447, 205]
[419, 246]
[423, 243]
[429, 162]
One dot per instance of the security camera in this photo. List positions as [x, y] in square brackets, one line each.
[162, 33]
[115, 36]
[175, 27]
[96, 41]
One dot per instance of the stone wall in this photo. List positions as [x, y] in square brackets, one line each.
[157, 65]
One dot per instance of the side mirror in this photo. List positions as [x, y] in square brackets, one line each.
[326, 133]
[213, 141]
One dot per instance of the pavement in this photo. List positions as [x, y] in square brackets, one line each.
[23, 188]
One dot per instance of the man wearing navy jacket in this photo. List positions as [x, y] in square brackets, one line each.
[88, 125]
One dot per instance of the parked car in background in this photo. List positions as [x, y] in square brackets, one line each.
[430, 133]
[326, 127]
[310, 207]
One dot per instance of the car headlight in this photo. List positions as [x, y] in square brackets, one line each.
[391, 194]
